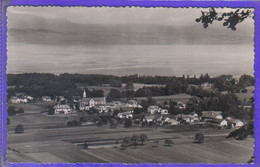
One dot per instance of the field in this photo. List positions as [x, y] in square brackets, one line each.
[160, 99]
[48, 139]
[65, 145]
[247, 95]
[106, 89]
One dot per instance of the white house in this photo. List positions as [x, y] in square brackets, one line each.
[236, 123]
[180, 105]
[46, 98]
[28, 97]
[206, 86]
[62, 109]
[223, 123]
[60, 98]
[149, 118]
[133, 103]
[153, 109]
[87, 103]
[163, 111]
[211, 115]
[15, 99]
[188, 118]
[127, 114]
[171, 121]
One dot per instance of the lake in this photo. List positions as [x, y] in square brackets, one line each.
[165, 60]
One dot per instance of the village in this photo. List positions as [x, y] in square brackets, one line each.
[94, 127]
[129, 113]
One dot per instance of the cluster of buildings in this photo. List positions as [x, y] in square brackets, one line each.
[213, 118]
[20, 98]
[154, 114]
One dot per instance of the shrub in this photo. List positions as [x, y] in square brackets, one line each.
[168, 142]
[85, 145]
[199, 138]
[11, 111]
[21, 110]
[128, 123]
[143, 138]
[19, 128]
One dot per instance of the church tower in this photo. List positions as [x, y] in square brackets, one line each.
[84, 94]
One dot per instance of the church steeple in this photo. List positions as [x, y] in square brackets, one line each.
[84, 94]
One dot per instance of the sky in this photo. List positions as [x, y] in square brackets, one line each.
[34, 30]
[110, 15]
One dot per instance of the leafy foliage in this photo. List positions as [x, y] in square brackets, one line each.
[128, 123]
[19, 128]
[230, 19]
[243, 132]
[199, 138]
[168, 142]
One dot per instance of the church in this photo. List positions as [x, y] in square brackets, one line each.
[91, 102]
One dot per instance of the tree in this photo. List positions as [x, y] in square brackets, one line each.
[138, 110]
[168, 142]
[50, 110]
[11, 110]
[231, 19]
[19, 128]
[243, 132]
[126, 142]
[165, 103]
[246, 80]
[85, 145]
[113, 125]
[251, 160]
[128, 123]
[155, 143]
[8, 121]
[143, 138]
[129, 85]
[115, 83]
[134, 140]
[114, 94]
[21, 110]
[199, 138]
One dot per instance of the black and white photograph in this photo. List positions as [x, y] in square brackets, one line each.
[130, 85]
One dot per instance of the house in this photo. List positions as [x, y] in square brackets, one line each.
[127, 114]
[153, 109]
[211, 115]
[28, 97]
[86, 103]
[133, 103]
[171, 121]
[118, 103]
[62, 109]
[188, 118]
[180, 105]
[60, 98]
[149, 118]
[223, 123]
[46, 98]
[235, 123]
[163, 111]
[206, 86]
[219, 122]
[15, 99]
[89, 102]
[76, 99]
[20, 94]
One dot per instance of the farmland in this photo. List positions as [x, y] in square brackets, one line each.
[48, 139]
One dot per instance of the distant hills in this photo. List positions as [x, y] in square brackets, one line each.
[35, 29]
